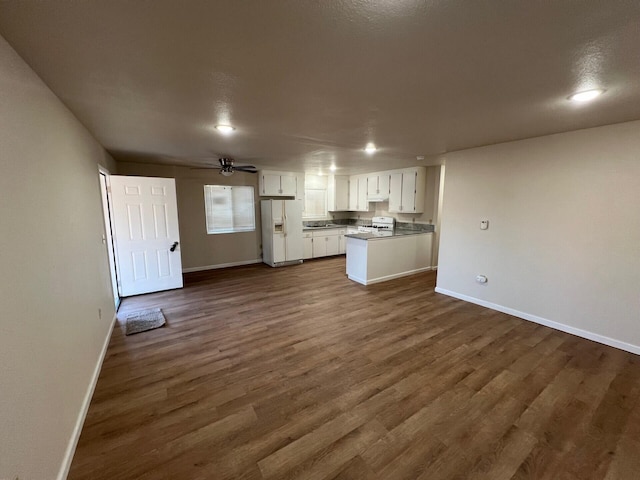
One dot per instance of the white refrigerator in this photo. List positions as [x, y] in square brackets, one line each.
[281, 232]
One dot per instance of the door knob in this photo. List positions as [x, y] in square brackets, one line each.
[173, 247]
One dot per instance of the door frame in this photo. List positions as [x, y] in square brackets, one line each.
[104, 176]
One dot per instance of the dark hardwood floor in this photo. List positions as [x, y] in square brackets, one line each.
[298, 372]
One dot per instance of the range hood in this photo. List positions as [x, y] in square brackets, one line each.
[382, 197]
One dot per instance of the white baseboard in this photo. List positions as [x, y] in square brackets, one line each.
[596, 337]
[388, 277]
[359, 280]
[221, 265]
[73, 442]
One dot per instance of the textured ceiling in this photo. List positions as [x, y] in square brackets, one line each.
[308, 83]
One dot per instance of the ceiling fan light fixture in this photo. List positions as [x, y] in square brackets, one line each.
[586, 95]
[226, 129]
[370, 148]
[226, 173]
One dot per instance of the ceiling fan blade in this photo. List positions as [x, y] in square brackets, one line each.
[212, 167]
[246, 168]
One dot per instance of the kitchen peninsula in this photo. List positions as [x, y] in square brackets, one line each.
[374, 258]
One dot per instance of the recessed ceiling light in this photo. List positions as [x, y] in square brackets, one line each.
[370, 148]
[586, 95]
[225, 128]
[332, 168]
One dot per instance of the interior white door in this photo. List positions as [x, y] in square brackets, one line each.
[147, 236]
[106, 213]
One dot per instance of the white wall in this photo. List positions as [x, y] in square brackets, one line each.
[54, 272]
[564, 238]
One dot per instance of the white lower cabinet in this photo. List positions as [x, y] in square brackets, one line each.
[319, 247]
[307, 243]
[332, 244]
[342, 245]
[328, 242]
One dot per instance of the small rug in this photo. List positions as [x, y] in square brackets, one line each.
[143, 320]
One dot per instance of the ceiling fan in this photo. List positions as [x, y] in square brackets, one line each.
[227, 167]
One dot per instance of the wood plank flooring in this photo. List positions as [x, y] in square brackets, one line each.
[299, 373]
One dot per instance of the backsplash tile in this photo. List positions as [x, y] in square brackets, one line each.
[418, 227]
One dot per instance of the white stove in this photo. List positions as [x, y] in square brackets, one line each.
[380, 226]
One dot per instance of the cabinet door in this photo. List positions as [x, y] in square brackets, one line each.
[409, 191]
[308, 247]
[338, 193]
[372, 185]
[288, 185]
[270, 185]
[319, 247]
[353, 193]
[383, 184]
[342, 245]
[342, 193]
[395, 192]
[332, 244]
[363, 203]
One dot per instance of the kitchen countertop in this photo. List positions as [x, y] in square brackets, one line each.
[396, 233]
[327, 227]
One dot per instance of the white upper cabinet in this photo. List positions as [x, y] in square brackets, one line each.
[378, 187]
[338, 193]
[404, 189]
[281, 184]
[407, 190]
[358, 201]
[353, 193]
[270, 184]
[363, 203]
[288, 185]
[395, 192]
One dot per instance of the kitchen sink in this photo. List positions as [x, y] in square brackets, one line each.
[325, 226]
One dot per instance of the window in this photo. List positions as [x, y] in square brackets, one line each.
[229, 209]
[315, 203]
[315, 196]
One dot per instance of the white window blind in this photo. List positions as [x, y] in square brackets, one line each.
[229, 209]
[315, 203]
